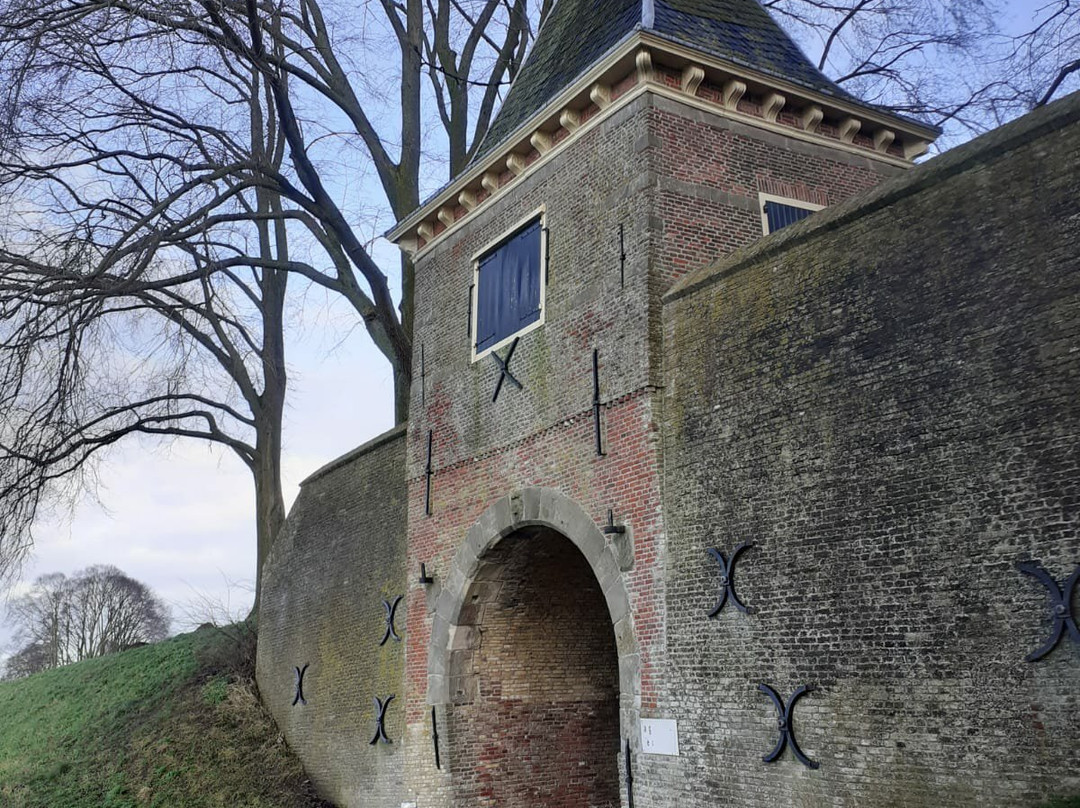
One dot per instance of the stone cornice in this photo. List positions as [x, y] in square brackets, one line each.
[646, 63]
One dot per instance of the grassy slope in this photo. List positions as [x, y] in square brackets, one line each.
[175, 724]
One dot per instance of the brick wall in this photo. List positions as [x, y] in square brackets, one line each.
[651, 167]
[341, 554]
[710, 170]
[883, 400]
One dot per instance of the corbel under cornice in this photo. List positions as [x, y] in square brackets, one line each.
[596, 95]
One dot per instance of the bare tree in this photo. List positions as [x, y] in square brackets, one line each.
[1045, 59]
[97, 611]
[31, 659]
[954, 63]
[161, 310]
[144, 157]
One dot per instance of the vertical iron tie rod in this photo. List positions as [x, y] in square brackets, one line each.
[596, 399]
[547, 255]
[629, 778]
[622, 258]
[469, 331]
[423, 376]
[427, 473]
[435, 738]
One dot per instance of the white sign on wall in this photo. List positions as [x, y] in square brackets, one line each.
[659, 736]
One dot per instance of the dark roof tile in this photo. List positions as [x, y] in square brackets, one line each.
[575, 36]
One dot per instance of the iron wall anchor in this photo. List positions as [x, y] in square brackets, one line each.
[428, 472]
[380, 721]
[435, 738]
[391, 610]
[299, 695]
[727, 579]
[786, 727]
[504, 369]
[425, 579]
[596, 401]
[1060, 607]
[611, 528]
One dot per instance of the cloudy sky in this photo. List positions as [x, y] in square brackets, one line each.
[180, 517]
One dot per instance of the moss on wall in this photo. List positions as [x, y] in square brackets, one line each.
[883, 400]
[341, 555]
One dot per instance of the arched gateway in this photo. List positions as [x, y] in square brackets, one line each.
[530, 651]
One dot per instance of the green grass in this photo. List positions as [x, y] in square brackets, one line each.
[176, 724]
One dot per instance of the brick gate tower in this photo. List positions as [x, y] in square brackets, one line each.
[640, 141]
[666, 475]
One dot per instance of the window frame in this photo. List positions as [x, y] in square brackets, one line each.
[540, 214]
[764, 198]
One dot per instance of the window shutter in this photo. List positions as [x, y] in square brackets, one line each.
[508, 291]
[488, 297]
[783, 215]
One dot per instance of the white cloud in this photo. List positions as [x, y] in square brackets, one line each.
[181, 518]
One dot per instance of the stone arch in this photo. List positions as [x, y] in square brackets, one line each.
[530, 507]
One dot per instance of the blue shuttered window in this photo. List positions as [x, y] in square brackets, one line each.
[783, 215]
[508, 286]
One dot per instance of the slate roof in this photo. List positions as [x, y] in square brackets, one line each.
[574, 37]
[742, 32]
[578, 33]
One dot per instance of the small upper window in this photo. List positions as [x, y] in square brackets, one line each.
[777, 212]
[508, 290]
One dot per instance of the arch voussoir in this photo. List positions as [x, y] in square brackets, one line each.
[528, 507]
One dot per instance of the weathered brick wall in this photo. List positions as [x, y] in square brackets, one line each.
[710, 170]
[630, 170]
[883, 399]
[541, 435]
[342, 552]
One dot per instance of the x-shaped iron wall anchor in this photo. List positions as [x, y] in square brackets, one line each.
[786, 727]
[299, 697]
[727, 579]
[504, 369]
[391, 610]
[1060, 606]
[380, 720]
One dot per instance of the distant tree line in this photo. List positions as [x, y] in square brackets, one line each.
[96, 611]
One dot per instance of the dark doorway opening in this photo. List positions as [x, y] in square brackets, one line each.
[535, 681]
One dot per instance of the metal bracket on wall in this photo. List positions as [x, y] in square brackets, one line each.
[1060, 607]
[391, 610]
[622, 258]
[786, 727]
[427, 474]
[596, 400]
[504, 369]
[611, 528]
[298, 698]
[435, 738]
[380, 721]
[727, 579]
[425, 579]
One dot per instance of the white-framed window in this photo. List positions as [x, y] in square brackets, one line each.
[780, 211]
[507, 294]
